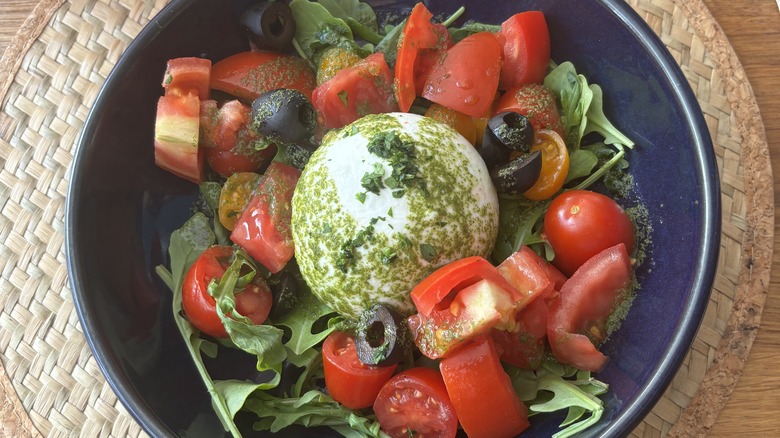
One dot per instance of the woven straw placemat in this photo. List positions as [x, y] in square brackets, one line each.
[50, 76]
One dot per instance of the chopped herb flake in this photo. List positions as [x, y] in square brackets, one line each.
[428, 251]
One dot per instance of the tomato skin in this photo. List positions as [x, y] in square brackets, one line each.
[253, 301]
[188, 76]
[460, 122]
[555, 165]
[247, 75]
[482, 393]
[416, 400]
[365, 88]
[578, 315]
[580, 224]
[263, 229]
[534, 101]
[467, 79]
[452, 277]
[526, 49]
[418, 34]
[349, 381]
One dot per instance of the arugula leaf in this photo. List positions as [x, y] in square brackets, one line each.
[389, 44]
[301, 321]
[597, 121]
[581, 164]
[236, 392]
[517, 226]
[316, 29]
[211, 191]
[470, 28]
[263, 341]
[568, 395]
[311, 409]
[187, 243]
[359, 16]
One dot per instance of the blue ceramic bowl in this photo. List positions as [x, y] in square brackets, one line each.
[121, 209]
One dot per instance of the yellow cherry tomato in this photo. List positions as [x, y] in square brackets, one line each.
[460, 122]
[334, 60]
[234, 197]
[555, 165]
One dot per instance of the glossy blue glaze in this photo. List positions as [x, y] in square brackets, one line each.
[121, 209]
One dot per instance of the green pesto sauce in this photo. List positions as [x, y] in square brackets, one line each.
[445, 222]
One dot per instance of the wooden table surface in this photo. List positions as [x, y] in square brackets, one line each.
[753, 28]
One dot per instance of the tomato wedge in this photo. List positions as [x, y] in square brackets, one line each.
[415, 403]
[467, 79]
[418, 34]
[247, 75]
[578, 315]
[263, 229]
[523, 269]
[482, 393]
[526, 49]
[176, 136]
[349, 381]
[555, 165]
[364, 88]
[524, 346]
[451, 278]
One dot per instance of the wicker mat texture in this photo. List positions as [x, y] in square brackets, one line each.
[55, 68]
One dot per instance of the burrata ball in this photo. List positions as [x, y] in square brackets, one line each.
[385, 201]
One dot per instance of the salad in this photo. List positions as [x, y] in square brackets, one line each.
[398, 223]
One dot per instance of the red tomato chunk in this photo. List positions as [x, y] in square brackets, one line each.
[263, 229]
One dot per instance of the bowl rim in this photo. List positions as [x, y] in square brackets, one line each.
[672, 356]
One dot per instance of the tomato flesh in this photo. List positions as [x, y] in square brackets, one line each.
[467, 79]
[534, 101]
[362, 89]
[526, 49]
[482, 393]
[555, 165]
[580, 223]
[188, 76]
[415, 402]
[349, 381]
[247, 75]
[176, 137]
[577, 321]
[263, 229]
[253, 301]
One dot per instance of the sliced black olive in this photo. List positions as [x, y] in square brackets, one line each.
[511, 129]
[269, 24]
[380, 336]
[493, 152]
[285, 116]
[286, 294]
[518, 175]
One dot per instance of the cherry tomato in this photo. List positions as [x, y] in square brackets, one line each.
[247, 75]
[578, 315]
[415, 403]
[350, 381]
[234, 197]
[467, 79]
[263, 229]
[460, 122]
[333, 61]
[526, 49]
[580, 224]
[534, 101]
[555, 165]
[365, 88]
[253, 301]
[418, 34]
[188, 76]
[481, 391]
